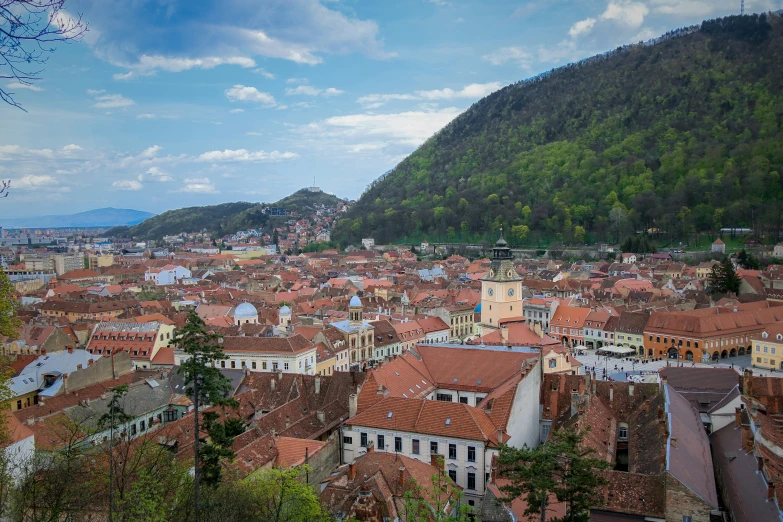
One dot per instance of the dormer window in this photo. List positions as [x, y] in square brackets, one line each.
[780, 337]
[764, 335]
[622, 432]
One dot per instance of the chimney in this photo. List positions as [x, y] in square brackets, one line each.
[630, 388]
[436, 460]
[574, 402]
[65, 383]
[320, 415]
[317, 384]
[371, 447]
[351, 471]
[747, 436]
[504, 333]
[272, 383]
[770, 490]
[279, 375]
[287, 421]
[737, 417]
[611, 392]
[43, 351]
[90, 362]
[70, 349]
[500, 435]
[664, 381]
[352, 405]
[674, 442]
[746, 376]
[273, 433]
[402, 478]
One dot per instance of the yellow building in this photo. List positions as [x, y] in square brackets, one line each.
[768, 347]
[96, 261]
[501, 290]
[556, 359]
[704, 270]
[325, 360]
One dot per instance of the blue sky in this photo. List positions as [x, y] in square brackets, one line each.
[172, 103]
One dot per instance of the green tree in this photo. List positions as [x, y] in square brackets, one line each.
[724, 278]
[561, 468]
[520, 232]
[579, 234]
[9, 327]
[283, 496]
[111, 420]
[203, 380]
[747, 261]
[422, 504]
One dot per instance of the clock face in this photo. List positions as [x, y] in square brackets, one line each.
[510, 292]
[490, 292]
[491, 273]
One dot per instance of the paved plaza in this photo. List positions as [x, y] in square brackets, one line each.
[622, 368]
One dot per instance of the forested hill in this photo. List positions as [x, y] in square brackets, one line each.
[222, 219]
[680, 135]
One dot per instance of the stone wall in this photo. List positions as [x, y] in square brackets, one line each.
[103, 369]
[323, 462]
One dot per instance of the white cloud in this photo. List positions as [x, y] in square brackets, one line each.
[373, 101]
[236, 111]
[156, 174]
[150, 152]
[127, 184]
[33, 182]
[110, 101]
[249, 94]
[411, 128]
[228, 155]
[93, 92]
[198, 186]
[472, 91]
[364, 147]
[519, 55]
[309, 90]
[296, 80]
[582, 27]
[254, 133]
[17, 85]
[72, 147]
[263, 72]
[150, 64]
[441, 3]
[146, 116]
[630, 14]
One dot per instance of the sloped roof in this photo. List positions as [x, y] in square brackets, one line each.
[445, 419]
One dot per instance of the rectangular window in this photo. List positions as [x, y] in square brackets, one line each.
[445, 397]
[381, 442]
[274, 366]
[233, 364]
[622, 433]
[222, 364]
[471, 454]
[285, 366]
[348, 440]
[142, 426]
[765, 349]
[398, 444]
[133, 429]
[464, 400]
[472, 481]
[772, 350]
[434, 445]
[253, 365]
[758, 359]
[453, 475]
[453, 451]
[263, 365]
[363, 440]
[415, 446]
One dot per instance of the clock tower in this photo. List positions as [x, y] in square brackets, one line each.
[501, 289]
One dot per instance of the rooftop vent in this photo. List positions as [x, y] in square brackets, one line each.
[389, 416]
[448, 421]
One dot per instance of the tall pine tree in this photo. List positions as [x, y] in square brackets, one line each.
[203, 381]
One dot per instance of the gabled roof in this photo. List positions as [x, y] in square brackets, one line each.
[445, 419]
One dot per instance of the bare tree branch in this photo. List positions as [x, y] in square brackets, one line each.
[29, 30]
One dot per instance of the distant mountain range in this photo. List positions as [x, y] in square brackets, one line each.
[100, 217]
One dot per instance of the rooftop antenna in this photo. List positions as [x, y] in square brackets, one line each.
[742, 7]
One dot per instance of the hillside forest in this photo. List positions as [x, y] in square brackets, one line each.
[669, 138]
